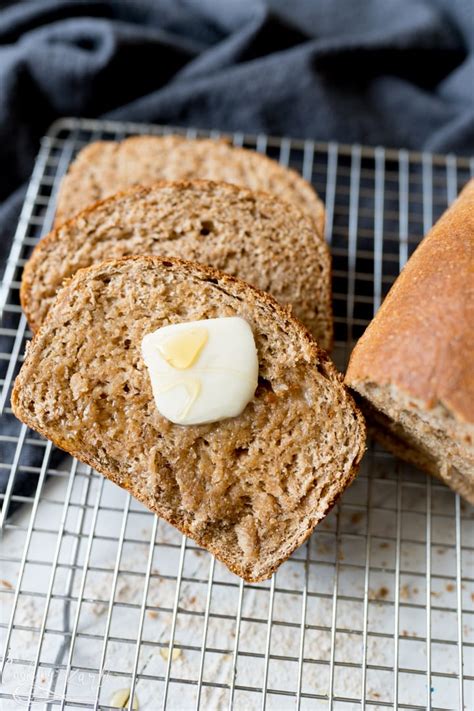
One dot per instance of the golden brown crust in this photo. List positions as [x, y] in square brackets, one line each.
[422, 338]
[104, 167]
[245, 291]
[60, 234]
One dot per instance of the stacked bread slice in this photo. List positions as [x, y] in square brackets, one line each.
[104, 167]
[269, 243]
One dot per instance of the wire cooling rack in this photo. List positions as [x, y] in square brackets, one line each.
[104, 605]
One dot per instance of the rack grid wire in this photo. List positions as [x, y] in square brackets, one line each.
[105, 605]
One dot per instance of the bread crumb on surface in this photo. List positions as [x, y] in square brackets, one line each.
[98, 608]
[165, 653]
[407, 633]
[379, 594]
[6, 584]
[323, 548]
[121, 699]
[406, 591]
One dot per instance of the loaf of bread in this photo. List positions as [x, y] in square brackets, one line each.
[414, 366]
[269, 243]
[105, 167]
[250, 488]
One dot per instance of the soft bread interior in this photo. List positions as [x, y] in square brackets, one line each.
[268, 243]
[429, 438]
[104, 167]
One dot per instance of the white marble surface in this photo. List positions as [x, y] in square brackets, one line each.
[287, 610]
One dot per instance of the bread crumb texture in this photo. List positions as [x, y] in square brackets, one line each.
[250, 488]
[432, 440]
[264, 241]
[104, 167]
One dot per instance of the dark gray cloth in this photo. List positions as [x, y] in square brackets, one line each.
[392, 72]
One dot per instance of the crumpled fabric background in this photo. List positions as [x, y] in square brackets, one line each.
[397, 72]
[393, 72]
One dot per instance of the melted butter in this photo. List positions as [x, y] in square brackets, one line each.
[202, 371]
[183, 350]
[193, 389]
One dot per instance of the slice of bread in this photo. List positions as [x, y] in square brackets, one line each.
[105, 167]
[414, 365]
[250, 488]
[255, 236]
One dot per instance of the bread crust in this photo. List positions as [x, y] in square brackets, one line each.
[422, 338]
[241, 288]
[137, 193]
[96, 170]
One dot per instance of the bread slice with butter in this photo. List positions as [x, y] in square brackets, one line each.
[269, 243]
[202, 371]
[249, 488]
[104, 167]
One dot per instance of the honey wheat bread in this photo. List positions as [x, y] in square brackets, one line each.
[413, 367]
[105, 167]
[251, 488]
[255, 236]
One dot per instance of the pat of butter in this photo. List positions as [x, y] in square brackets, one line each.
[202, 371]
[183, 349]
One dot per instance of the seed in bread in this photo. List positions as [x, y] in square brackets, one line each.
[105, 167]
[250, 488]
[263, 240]
[413, 367]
